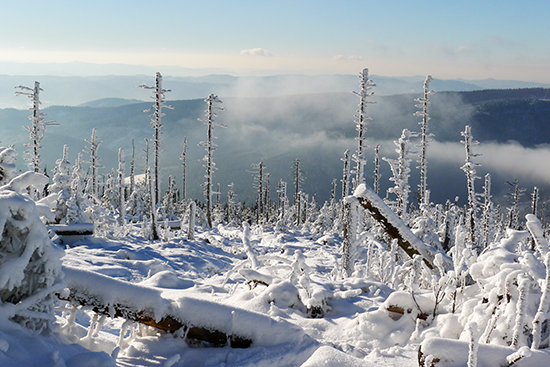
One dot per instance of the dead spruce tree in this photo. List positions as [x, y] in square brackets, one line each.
[515, 194]
[258, 170]
[470, 169]
[183, 158]
[298, 178]
[94, 161]
[38, 126]
[210, 147]
[361, 122]
[423, 104]
[160, 103]
[377, 175]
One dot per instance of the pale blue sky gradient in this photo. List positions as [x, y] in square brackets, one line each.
[449, 39]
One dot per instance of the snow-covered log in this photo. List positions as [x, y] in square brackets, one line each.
[173, 311]
[396, 229]
[116, 298]
[72, 229]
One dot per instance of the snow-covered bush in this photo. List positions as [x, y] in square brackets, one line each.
[30, 267]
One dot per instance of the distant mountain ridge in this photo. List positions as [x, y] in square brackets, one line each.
[77, 90]
[316, 128]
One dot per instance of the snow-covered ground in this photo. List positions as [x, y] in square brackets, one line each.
[264, 296]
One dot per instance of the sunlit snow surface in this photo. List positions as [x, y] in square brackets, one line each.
[211, 268]
[209, 282]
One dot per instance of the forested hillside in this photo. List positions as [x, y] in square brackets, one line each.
[316, 128]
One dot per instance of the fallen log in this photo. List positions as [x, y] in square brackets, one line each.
[396, 229]
[105, 304]
[73, 229]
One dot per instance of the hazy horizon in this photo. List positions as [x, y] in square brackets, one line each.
[473, 40]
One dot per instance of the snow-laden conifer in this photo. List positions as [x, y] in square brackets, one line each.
[61, 186]
[78, 201]
[401, 172]
[423, 104]
[160, 103]
[361, 122]
[210, 147]
[282, 201]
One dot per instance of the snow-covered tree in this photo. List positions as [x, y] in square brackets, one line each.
[160, 103]
[183, 158]
[401, 171]
[121, 189]
[191, 228]
[94, 161]
[61, 185]
[470, 169]
[377, 175]
[38, 126]
[132, 169]
[77, 202]
[298, 178]
[30, 266]
[283, 201]
[258, 170]
[515, 194]
[423, 104]
[210, 147]
[487, 220]
[231, 204]
[361, 122]
[349, 234]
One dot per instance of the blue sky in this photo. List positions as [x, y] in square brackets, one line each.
[448, 39]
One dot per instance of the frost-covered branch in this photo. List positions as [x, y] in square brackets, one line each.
[396, 229]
